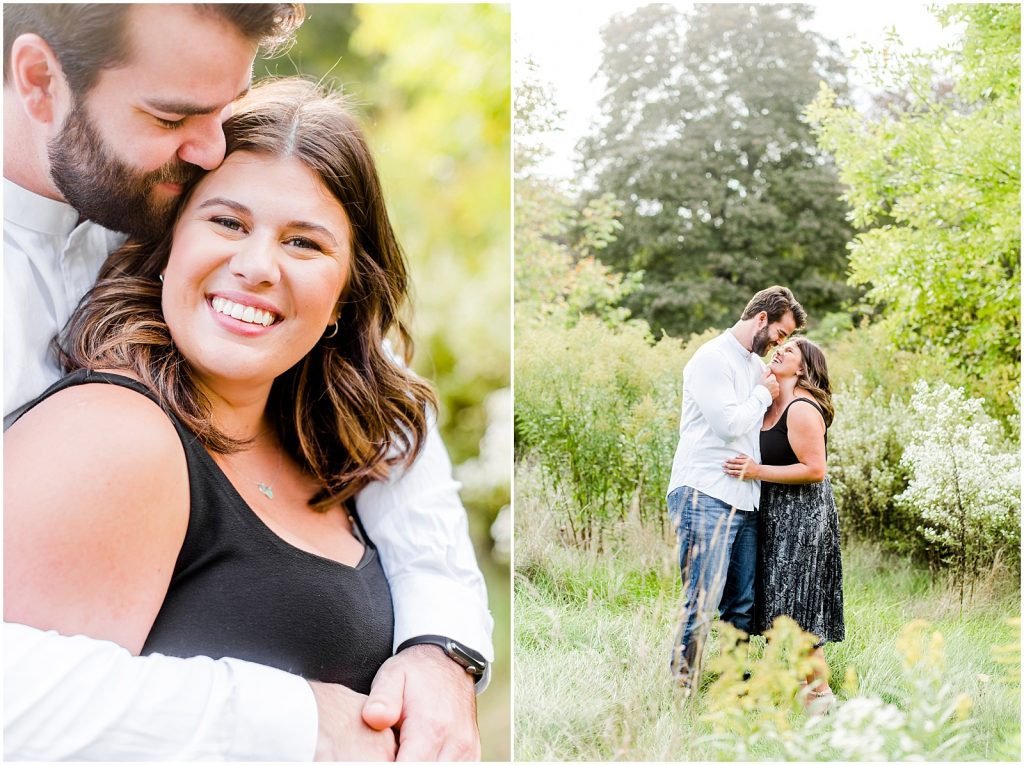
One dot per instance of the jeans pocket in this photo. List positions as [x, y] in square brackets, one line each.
[675, 505]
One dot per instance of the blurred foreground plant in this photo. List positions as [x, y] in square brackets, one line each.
[929, 719]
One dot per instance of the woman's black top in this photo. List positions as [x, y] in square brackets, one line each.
[239, 590]
[775, 448]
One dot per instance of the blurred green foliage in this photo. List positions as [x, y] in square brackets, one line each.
[432, 85]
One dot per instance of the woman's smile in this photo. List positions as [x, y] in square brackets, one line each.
[244, 309]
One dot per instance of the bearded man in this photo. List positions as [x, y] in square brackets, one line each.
[726, 390]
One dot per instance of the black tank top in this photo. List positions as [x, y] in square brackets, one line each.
[239, 590]
[775, 448]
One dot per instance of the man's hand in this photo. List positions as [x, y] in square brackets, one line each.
[742, 467]
[432, 702]
[341, 733]
[768, 380]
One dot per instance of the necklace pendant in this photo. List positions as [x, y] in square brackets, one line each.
[265, 490]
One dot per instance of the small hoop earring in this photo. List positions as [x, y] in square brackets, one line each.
[161, 278]
[333, 331]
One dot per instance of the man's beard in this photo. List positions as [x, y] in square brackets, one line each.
[759, 345]
[106, 190]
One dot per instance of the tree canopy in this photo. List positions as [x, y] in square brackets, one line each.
[725, 189]
[935, 181]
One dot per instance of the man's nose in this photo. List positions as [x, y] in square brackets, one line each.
[204, 145]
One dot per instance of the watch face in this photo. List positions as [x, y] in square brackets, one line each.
[474, 664]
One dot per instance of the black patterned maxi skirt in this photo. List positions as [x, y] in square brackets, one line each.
[800, 570]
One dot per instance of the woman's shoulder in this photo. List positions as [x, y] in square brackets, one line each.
[96, 495]
[805, 414]
[97, 422]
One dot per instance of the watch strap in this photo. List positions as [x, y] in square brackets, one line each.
[471, 661]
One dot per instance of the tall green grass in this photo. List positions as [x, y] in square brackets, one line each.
[593, 633]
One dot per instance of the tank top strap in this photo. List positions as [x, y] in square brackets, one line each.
[89, 376]
[81, 377]
[816, 406]
[814, 403]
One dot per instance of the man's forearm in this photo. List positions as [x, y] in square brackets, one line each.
[75, 698]
[419, 526]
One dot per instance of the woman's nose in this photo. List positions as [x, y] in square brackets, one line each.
[255, 260]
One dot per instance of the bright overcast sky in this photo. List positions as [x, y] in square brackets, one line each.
[563, 38]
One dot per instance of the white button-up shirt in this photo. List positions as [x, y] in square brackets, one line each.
[723, 408]
[50, 261]
[190, 708]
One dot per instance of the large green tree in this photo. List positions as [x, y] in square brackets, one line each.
[935, 181]
[725, 189]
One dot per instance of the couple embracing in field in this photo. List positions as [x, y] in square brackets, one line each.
[749, 498]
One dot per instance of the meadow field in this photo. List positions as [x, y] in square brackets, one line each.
[593, 632]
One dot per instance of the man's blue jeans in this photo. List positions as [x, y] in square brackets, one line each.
[717, 561]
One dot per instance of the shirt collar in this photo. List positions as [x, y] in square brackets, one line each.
[38, 213]
[736, 345]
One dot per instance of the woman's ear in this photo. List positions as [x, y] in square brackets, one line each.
[38, 79]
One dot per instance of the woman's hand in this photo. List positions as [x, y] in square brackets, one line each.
[742, 467]
[342, 734]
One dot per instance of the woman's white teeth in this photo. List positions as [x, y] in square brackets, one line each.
[241, 312]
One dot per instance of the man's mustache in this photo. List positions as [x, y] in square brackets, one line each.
[178, 172]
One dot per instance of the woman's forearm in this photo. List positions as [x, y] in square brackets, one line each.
[791, 474]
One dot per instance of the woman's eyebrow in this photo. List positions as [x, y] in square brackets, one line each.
[236, 206]
[314, 228]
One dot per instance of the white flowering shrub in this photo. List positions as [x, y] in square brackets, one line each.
[964, 479]
[865, 447]
[487, 478]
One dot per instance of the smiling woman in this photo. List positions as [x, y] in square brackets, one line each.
[230, 390]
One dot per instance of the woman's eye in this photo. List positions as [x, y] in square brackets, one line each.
[301, 241]
[228, 223]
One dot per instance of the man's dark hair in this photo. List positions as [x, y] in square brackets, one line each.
[87, 38]
[776, 302]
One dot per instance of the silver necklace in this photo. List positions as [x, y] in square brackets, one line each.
[266, 488]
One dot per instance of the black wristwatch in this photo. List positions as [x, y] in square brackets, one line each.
[471, 661]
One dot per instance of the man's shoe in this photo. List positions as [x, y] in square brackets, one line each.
[687, 670]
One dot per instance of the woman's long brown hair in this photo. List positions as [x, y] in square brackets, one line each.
[347, 412]
[815, 380]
